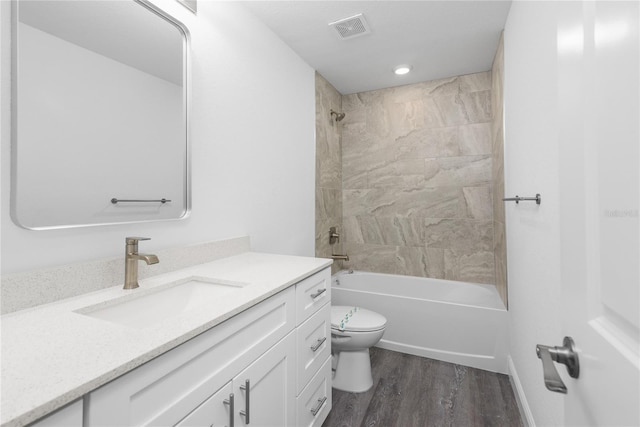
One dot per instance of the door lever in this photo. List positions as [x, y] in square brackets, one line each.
[565, 355]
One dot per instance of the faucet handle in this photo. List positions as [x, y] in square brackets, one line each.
[135, 240]
[334, 236]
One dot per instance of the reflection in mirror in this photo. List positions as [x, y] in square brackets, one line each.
[100, 112]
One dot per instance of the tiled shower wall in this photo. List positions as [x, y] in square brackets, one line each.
[408, 178]
[417, 179]
[497, 137]
[328, 169]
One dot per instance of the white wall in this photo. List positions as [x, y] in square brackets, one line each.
[531, 166]
[253, 149]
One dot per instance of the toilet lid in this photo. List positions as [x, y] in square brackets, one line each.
[349, 318]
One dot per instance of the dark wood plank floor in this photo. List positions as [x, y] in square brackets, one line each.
[415, 391]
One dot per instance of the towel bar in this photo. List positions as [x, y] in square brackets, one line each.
[517, 199]
[115, 201]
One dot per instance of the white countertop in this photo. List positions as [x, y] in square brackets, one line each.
[52, 355]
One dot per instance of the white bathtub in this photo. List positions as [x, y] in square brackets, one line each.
[457, 322]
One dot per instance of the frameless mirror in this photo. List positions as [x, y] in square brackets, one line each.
[100, 131]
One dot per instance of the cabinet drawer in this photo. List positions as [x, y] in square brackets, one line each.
[312, 293]
[69, 416]
[166, 389]
[314, 404]
[313, 344]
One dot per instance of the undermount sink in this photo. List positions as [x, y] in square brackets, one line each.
[142, 309]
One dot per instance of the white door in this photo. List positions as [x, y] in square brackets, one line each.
[598, 101]
[269, 397]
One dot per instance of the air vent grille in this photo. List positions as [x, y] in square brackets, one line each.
[352, 26]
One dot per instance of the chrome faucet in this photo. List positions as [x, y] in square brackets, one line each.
[131, 259]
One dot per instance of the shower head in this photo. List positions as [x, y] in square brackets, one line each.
[339, 116]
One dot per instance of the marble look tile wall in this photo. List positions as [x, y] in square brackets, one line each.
[328, 170]
[417, 179]
[497, 174]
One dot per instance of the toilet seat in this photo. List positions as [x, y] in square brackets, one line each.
[356, 319]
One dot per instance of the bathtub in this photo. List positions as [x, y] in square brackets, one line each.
[457, 322]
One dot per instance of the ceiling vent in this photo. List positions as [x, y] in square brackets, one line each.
[353, 26]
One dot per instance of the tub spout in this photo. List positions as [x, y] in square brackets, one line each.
[344, 257]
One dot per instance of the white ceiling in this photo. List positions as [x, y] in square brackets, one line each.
[438, 38]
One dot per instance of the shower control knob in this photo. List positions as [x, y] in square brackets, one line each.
[334, 236]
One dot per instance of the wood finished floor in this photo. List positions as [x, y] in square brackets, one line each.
[414, 391]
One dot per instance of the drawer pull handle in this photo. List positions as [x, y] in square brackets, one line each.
[247, 389]
[229, 402]
[314, 411]
[318, 293]
[321, 341]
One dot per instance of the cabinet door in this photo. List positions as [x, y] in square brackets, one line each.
[265, 392]
[214, 412]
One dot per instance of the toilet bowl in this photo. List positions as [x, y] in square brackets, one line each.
[353, 331]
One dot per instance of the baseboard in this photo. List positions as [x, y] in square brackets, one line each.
[487, 363]
[521, 399]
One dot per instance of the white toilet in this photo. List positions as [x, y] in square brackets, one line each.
[353, 331]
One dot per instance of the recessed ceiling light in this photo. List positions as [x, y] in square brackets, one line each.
[402, 69]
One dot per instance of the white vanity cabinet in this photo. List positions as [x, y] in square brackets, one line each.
[253, 362]
[167, 389]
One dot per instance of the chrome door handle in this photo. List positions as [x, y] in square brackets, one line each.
[318, 344]
[229, 402]
[565, 355]
[318, 293]
[247, 390]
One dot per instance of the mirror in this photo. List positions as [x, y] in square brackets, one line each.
[100, 132]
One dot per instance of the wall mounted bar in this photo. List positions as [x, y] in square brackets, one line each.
[518, 199]
[115, 201]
